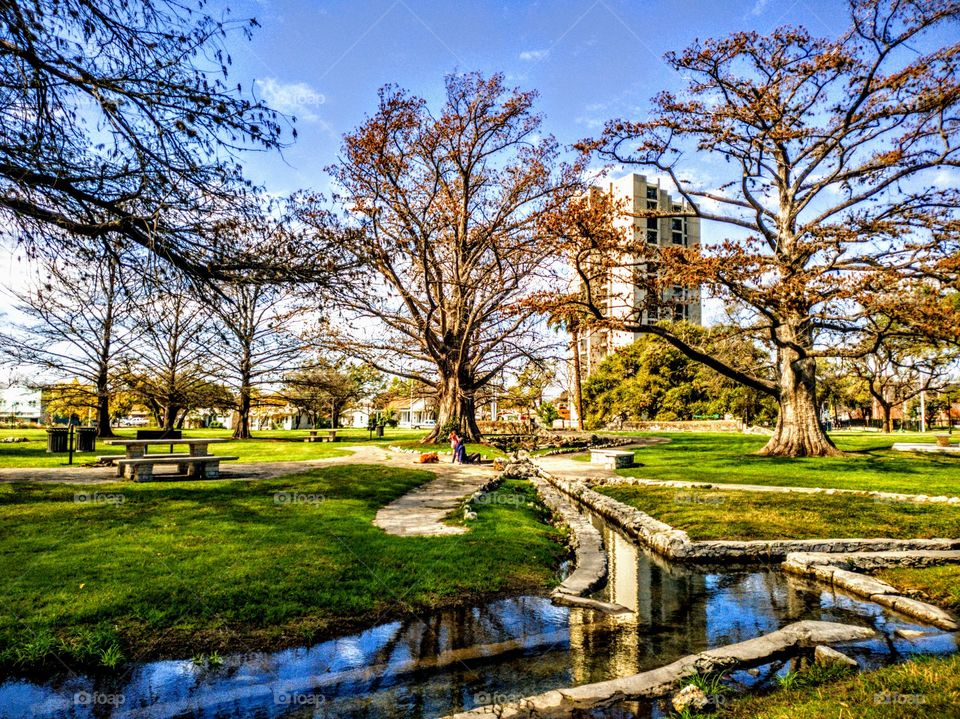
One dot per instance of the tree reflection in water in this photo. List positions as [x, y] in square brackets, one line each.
[428, 666]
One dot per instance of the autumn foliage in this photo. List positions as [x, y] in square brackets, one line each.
[831, 220]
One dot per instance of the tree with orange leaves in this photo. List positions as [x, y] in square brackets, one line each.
[832, 148]
[447, 205]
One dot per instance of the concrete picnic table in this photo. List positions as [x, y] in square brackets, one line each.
[137, 448]
[331, 436]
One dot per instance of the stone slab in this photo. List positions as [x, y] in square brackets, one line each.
[658, 682]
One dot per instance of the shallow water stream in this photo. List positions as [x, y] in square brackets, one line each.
[428, 666]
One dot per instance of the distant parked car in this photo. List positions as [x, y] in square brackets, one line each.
[132, 422]
[426, 424]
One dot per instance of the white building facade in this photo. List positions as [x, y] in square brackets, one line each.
[622, 296]
[20, 405]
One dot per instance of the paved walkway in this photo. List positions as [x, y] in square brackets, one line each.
[81, 474]
[421, 511]
[84, 474]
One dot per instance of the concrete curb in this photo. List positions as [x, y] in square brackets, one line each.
[676, 544]
[837, 570]
[677, 484]
[657, 682]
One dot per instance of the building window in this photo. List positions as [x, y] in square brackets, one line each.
[652, 223]
[651, 193]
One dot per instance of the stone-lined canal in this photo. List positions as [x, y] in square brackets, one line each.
[433, 665]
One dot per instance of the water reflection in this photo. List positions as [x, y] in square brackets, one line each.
[430, 666]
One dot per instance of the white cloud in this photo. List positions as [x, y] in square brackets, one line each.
[589, 122]
[759, 6]
[534, 55]
[946, 178]
[291, 98]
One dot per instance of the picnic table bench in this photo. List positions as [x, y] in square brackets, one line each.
[330, 436]
[202, 467]
[197, 462]
[612, 458]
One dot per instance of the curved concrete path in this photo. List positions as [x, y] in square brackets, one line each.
[420, 512]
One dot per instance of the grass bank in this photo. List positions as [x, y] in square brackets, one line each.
[939, 585]
[927, 688]
[737, 515]
[869, 464]
[174, 569]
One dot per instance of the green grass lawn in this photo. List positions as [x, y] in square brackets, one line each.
[180, 568]
[266, 446]
[927, 688]
[939, 585]
[869, 464]
[706, 514]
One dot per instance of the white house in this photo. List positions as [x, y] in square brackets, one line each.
[415, 414]
[358, 416]
[20, 404]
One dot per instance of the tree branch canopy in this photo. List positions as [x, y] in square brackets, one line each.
[118, 118]
[832, 189]
[446, 207]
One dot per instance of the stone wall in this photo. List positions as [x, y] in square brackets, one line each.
[835, 569]
[705, 425]
[574, 701]
[676, 544]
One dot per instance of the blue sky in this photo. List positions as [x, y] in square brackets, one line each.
[591, 60]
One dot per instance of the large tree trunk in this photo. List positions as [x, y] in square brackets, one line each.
[456, 409]
[576, 402]
[170, 417]
[103, 405]
[887, 416]
[798, 432]
[886, 407]
[242, 428]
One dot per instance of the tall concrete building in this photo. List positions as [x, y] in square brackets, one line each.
[622, 296]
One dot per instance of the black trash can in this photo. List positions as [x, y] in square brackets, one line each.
[86, 439]
[57, 439]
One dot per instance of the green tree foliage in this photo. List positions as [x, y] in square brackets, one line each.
[328, 388]
[526, 393]
[548, 413]
[651, 380]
